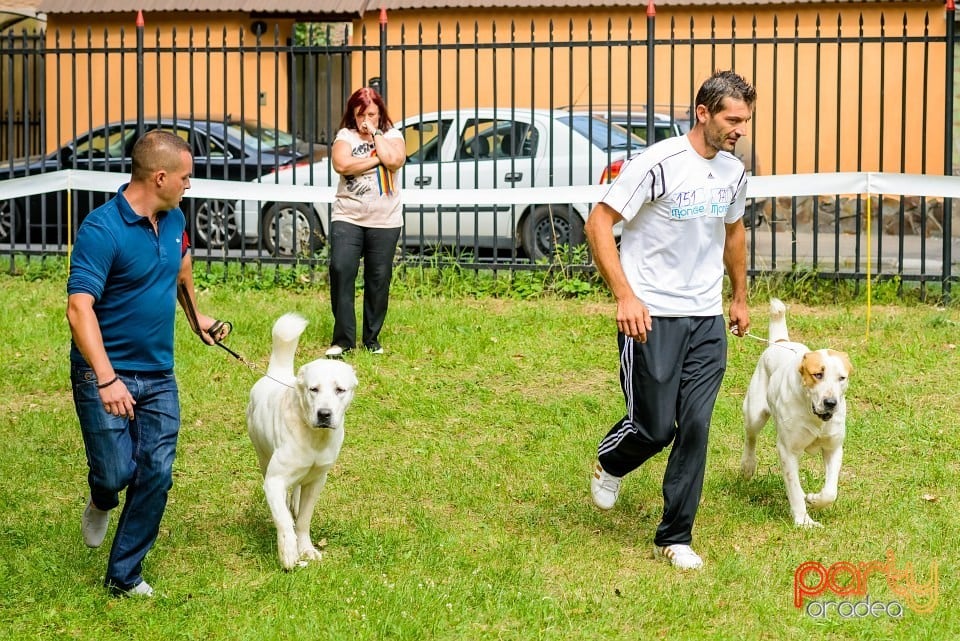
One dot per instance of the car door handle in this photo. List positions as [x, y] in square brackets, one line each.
[513, 177]
[421, 181]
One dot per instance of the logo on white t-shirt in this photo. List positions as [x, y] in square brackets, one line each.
[688, 204]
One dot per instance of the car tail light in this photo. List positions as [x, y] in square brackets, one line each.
[294, 165]
[611, 172]
[288, 167]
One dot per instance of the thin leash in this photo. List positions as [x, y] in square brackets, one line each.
[735, 329]
[219, 331]
[736, 332]
[253, 366]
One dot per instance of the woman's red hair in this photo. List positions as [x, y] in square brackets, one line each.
[361, 99]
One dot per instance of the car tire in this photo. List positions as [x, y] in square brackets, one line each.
[753, 214]
[548, 226]
[291, 229]
[216, 225]
[9, 221]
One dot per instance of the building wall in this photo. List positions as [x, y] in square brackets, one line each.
[92, 78]
[19, 90]
[821, 106]
[851, 89]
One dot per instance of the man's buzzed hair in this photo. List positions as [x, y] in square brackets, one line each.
[156, 150]
[725, 84]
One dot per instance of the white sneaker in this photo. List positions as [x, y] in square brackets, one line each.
[681, 556]
[605, 488]
[141, 589]
[334, 350]
[93, 524]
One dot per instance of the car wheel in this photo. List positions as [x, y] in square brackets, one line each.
[291, 229]
[216, 224]
[8, 221]
[753, 214]
[548, 226]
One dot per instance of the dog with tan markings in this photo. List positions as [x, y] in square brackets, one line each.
[804, 391]
[295, 422]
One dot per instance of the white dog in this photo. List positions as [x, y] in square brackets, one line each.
[296, 425]
[803, 391]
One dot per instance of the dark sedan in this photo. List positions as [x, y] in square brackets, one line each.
[223, 149]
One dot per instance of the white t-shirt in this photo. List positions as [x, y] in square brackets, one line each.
[370, 199]
[674, 203]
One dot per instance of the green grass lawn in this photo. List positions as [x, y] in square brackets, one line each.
[459, 508]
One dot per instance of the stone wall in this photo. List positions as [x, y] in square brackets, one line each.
[918, 216]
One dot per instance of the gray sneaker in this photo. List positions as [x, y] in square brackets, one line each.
[93, 524]
[141, 589]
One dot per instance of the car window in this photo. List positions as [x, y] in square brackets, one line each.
[184, 135]
[601, 133]
[484, 138]
[661, 131]
[208, 147]
[260, 138]
[424, 140]
[519, 141]
[104, 144]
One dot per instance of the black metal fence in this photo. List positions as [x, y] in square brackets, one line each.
[521, 110]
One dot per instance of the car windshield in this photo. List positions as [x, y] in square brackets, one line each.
[601, 133]
[261, 138]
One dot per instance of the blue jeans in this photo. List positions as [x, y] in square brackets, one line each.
[136, 455]
[348, 244]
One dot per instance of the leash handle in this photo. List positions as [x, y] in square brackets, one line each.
[220, 330]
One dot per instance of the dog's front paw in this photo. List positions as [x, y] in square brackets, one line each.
[288, 552]
[806, 522]
[748, 466]
[819, 500]
[307, 551]
[310, 553]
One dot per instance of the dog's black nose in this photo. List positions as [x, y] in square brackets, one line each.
[829, 403]
[323, 417]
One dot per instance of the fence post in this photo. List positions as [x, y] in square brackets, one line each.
[948, 151]
[651, 94]
[140, 78]
[383, 53]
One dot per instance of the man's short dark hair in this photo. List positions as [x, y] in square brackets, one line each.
[724, 84]
[155, 150]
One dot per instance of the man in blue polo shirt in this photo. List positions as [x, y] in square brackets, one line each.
[128, 268]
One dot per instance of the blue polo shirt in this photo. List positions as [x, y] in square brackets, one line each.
[131, 272]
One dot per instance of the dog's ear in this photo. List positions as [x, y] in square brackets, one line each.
[347, 376]
[843, 359]
[350, 380]
[810, 365]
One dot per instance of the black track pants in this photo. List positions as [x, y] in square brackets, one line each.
[670, 384]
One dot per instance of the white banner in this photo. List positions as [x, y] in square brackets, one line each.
[827, 184]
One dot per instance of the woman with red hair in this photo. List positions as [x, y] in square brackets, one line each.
[366, 220]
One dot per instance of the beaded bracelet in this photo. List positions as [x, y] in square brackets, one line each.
[108, 383]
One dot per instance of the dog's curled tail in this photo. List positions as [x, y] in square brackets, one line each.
[778, 321]
[286, 336]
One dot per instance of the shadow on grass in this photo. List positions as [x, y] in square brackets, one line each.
[763, 498]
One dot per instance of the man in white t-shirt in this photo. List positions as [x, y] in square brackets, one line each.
[680, 202]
